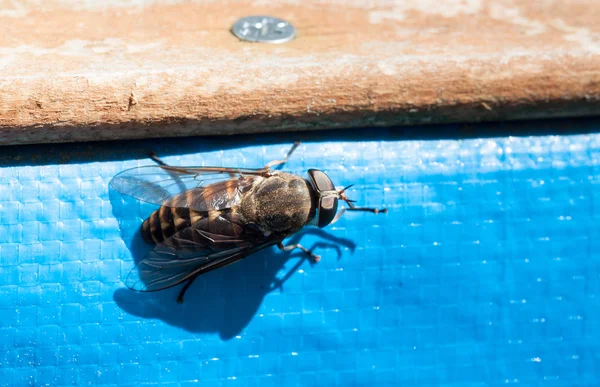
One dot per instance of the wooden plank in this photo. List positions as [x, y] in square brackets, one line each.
[88, 70]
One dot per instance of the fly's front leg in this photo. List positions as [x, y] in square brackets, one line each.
[185, 288]
[314, 257]
[365, 209]
[281, 162]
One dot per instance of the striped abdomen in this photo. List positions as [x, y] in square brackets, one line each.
[176, 214]
[166, 221]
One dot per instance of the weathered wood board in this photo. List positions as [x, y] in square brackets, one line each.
[75, 70]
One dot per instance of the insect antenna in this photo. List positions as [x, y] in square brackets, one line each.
[344, 189]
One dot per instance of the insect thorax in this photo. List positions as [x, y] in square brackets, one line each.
[280, 203]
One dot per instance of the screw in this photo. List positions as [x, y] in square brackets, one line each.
[263, 29]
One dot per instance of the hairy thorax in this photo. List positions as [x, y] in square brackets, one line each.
[280, 203]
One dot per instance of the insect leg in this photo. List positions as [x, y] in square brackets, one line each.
[280, 162]
[365, 209]
[316, 258]
[156, 159]
[185, 288]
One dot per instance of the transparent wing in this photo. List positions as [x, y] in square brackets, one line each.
[201, 188]
[190, 252]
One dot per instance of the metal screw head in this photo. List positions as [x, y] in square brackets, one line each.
[263, 29]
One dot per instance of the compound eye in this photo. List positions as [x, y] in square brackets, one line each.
[327, 210]
[320, 180]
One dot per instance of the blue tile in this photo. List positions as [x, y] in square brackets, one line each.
[7, 337]
[25, 360]
[24, 377]
[150, 372]
[46, 357]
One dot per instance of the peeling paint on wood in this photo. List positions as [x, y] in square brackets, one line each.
[74, 70]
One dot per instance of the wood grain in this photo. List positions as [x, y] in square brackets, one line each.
[73, 70]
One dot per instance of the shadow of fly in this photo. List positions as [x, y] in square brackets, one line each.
[211, 217]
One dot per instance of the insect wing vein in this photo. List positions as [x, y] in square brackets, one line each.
[188, 253]
[200, 189]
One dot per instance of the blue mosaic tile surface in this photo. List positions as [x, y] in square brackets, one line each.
[484, 272]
